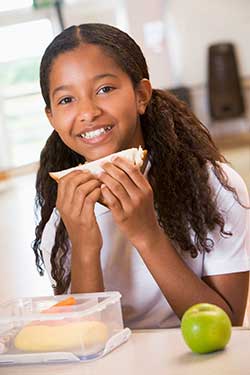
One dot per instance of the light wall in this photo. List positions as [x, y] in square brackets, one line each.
[173, 34]
[194, 24]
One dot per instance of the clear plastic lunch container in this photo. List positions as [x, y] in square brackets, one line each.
[34, 330]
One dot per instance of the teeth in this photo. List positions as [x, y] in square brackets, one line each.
[95, 133]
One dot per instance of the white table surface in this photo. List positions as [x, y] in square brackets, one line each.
[155, 352]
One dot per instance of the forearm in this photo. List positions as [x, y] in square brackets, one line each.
[86, 273]
[180, 285]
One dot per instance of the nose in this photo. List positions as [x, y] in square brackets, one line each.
[88, 110]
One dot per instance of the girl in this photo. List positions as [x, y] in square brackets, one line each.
[171, 237]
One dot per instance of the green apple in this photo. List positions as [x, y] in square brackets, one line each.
[206, 328]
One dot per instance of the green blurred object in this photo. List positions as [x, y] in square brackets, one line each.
[57, 4]
[43, 3]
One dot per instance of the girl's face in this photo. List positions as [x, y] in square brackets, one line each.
[94, 107]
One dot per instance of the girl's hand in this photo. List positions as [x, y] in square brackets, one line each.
[130, 197]
[76, 197]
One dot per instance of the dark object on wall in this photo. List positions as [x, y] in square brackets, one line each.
[224, 87]
[182, 93]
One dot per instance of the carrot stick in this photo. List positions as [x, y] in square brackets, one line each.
[65, 302]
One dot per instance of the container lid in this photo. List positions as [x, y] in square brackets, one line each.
[26, 309]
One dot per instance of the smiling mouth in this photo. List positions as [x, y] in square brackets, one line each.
[96, 133]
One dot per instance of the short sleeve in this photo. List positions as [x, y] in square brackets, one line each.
[230, 253]
[47, 242]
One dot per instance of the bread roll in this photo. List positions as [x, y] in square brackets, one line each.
[135, 155]
[85, 337]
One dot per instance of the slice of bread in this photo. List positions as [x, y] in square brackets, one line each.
[135, 155]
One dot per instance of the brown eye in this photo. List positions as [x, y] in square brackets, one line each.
[66, 100]
[105, 90]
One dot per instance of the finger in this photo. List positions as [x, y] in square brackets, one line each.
[68, 184]
[138, 189]
[112, 202]
[81, 194]
[131, 170]
[120, 179]
[90, 201]
[62, 185]
[113, 183]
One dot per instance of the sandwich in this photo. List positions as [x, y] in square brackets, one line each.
[134, 155]
[87, 337]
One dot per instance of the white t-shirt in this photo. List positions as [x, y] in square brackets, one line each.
[143, 304]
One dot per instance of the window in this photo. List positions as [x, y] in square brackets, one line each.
[25, 125]
[14, 4]
[25, 32]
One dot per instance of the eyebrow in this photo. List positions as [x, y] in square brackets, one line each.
[96, 78]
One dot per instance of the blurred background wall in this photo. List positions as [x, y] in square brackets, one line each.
[174, 35]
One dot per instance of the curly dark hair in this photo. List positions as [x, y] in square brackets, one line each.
[179, 148]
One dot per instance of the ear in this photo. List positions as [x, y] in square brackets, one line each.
[143, 95]
[49, 116]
